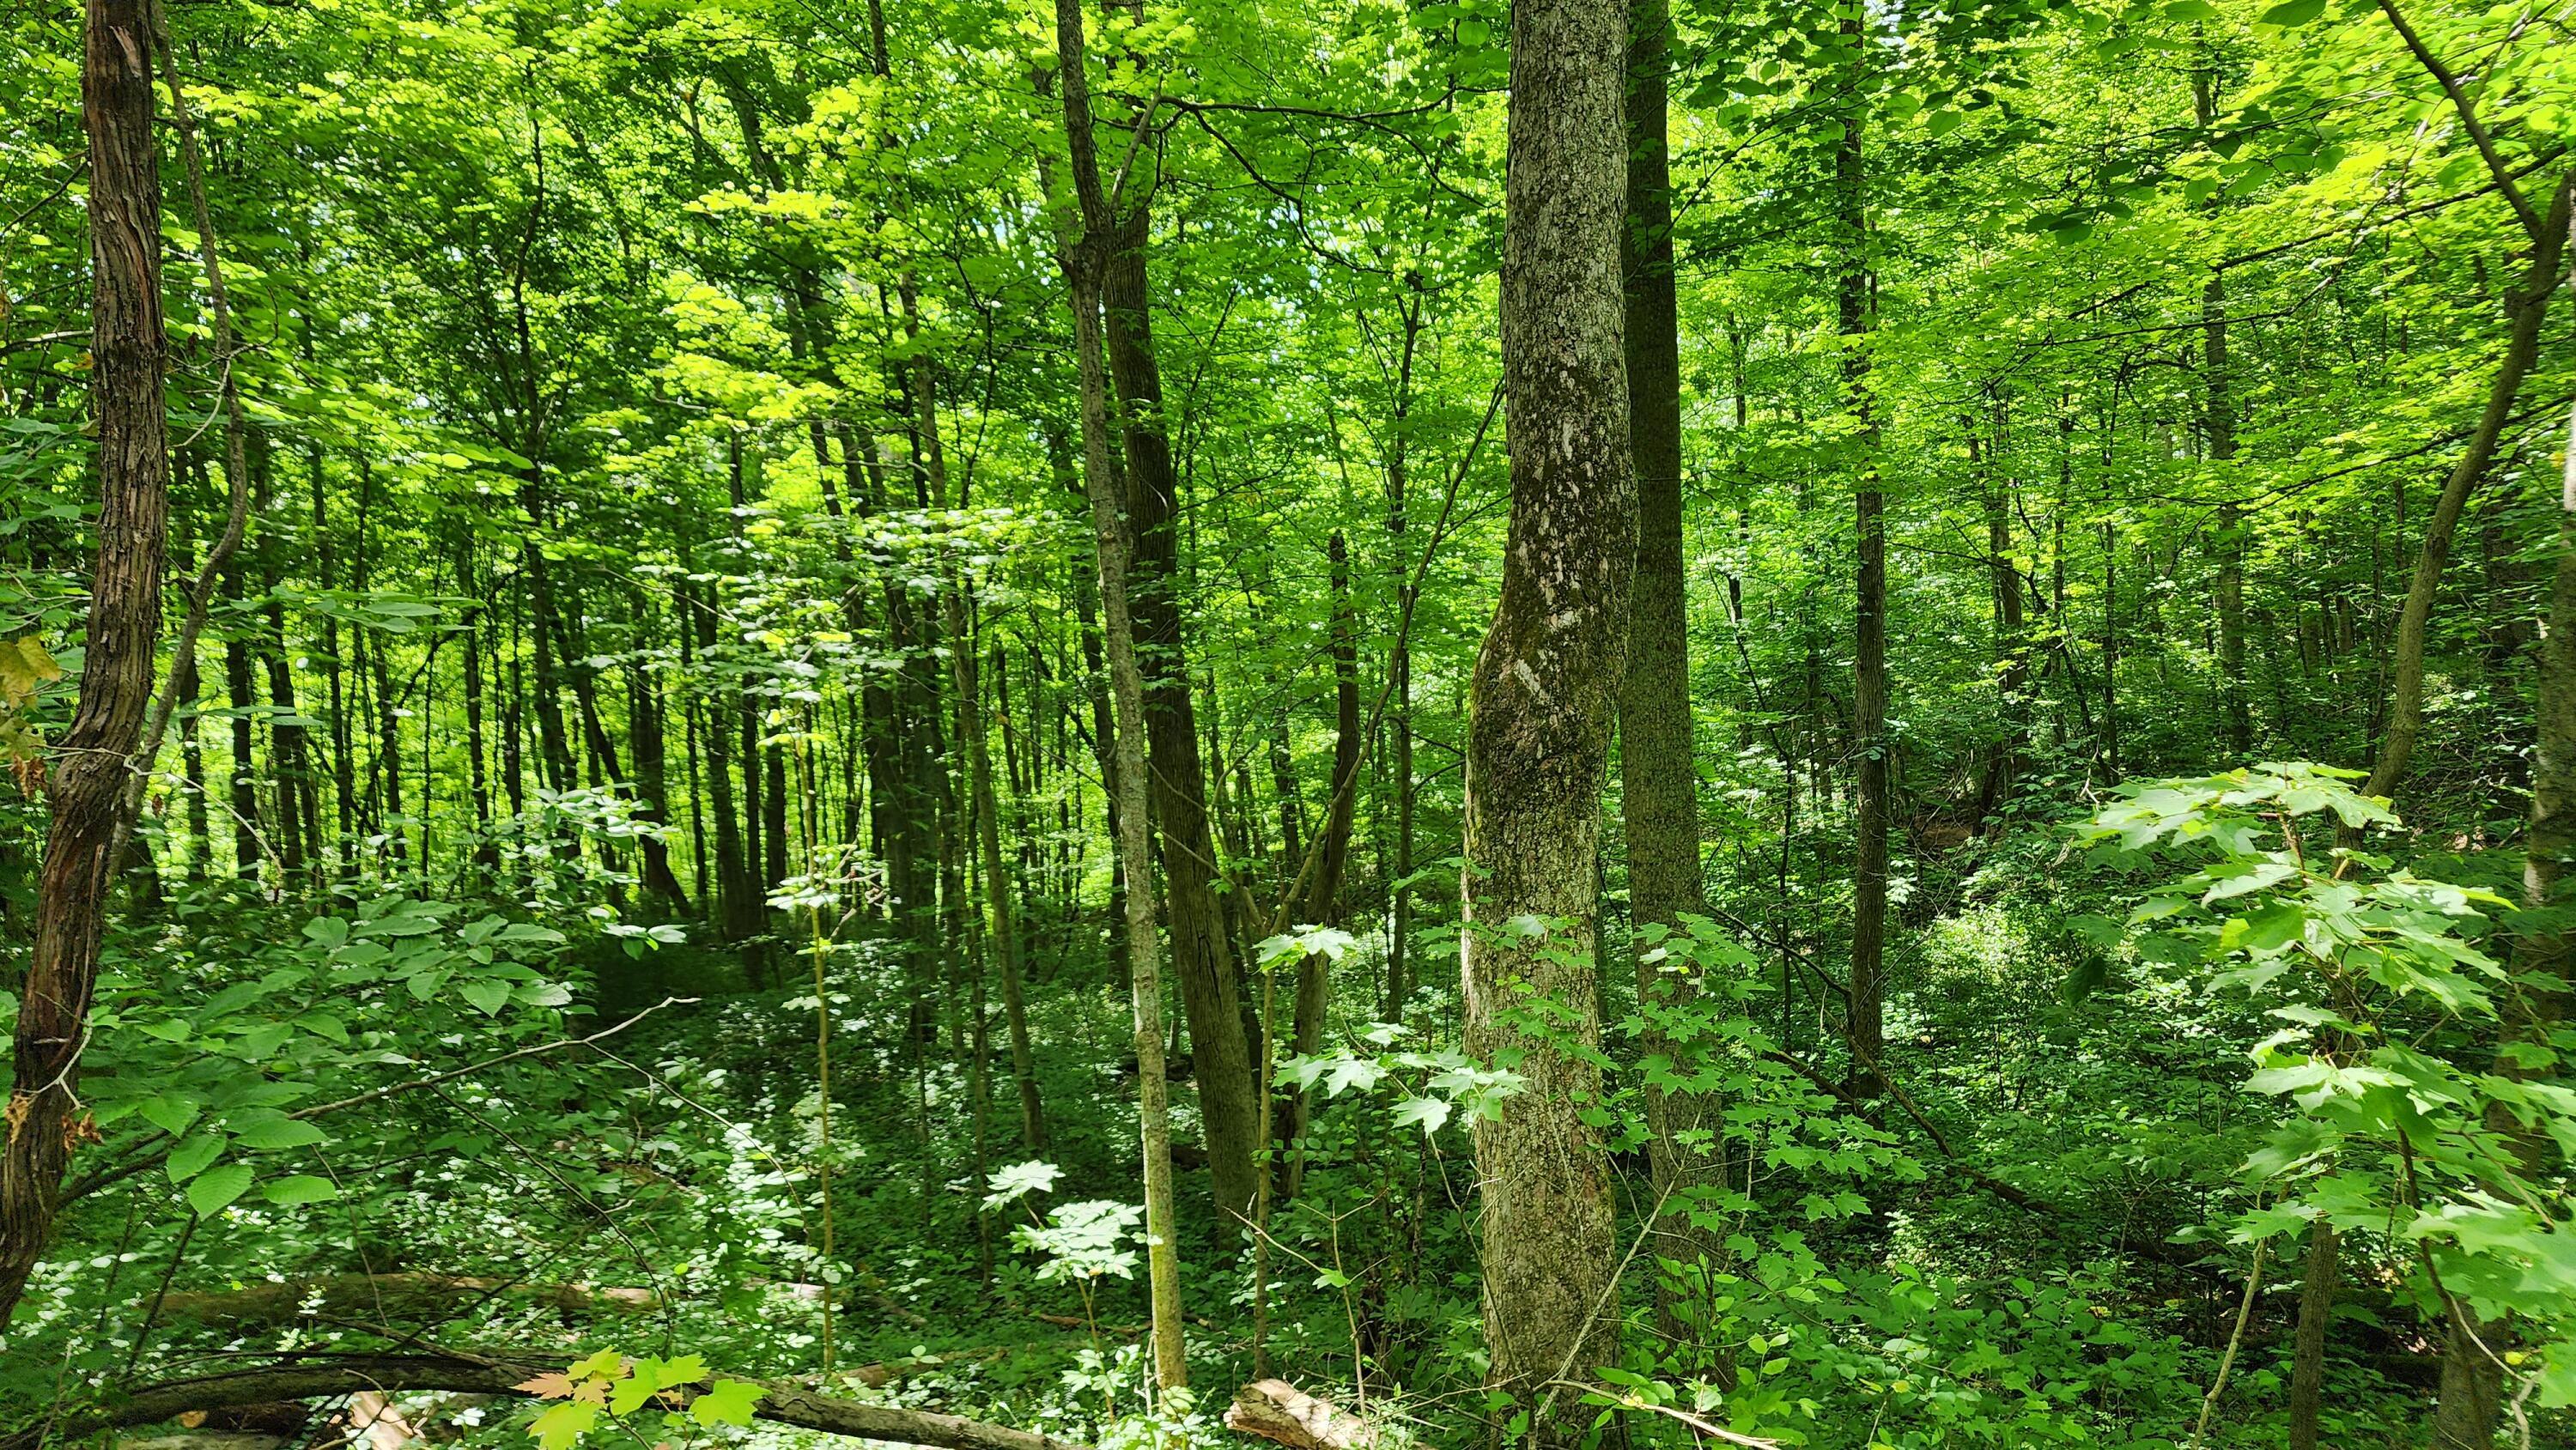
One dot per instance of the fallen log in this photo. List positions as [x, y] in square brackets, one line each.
[386, 1299]
[1279, 1412]
[340, 1375]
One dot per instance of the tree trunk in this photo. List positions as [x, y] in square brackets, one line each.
[243, 697]
[1540, 709]
[2472, 1382]
[85, 789]
[1866, 1027]
[1084, 263]
[1004, 925]
[1659, 786]
[1322, 904]
[1203, 956]
[2308, 1356]
[2525, 305]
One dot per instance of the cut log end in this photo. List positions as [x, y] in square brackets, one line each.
[1279, 1412]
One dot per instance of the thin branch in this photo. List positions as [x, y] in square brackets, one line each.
[2468, 110]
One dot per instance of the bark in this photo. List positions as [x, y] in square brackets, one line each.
[2472, 1382]
[738, 900]
[2526, 305]
[243, 698]
[345, 1375]
[1203, 955]
[1542, 701]
[1085, 261]
[1322, 905]
[85, 789]
[1279, 1412]
[1659, 781]
[2308, 1355]
[1866, 1028]
[1002, 920]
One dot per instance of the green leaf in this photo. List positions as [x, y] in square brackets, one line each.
[1431, 1113]
[171, 1114]
[301, 1188]
[218, 1186]
[275, 1130]
[2292, 12]
[729, 1402]
[562, 1425]
[488, 995]
[191, 1157]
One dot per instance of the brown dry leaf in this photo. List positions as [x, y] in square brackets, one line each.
[547, 1386]
[191, 1419]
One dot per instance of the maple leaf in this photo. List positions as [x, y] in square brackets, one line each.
[547, 1386]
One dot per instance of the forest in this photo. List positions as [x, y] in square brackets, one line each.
[1364, 724]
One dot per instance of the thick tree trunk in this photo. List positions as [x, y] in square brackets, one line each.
[1541, 705]
[1659, 785]
[1203, 956]
[85, 789]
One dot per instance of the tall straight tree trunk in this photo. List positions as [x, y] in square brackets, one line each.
[2526, 306]
[344, 758]
[2218, 431]
[1866, 1026]
[1659, 782]
[1085, 261]
[243, 698]
[1541, 705]
[1203, 955]
[478, 784]
[1003, 922]
[192, 764]
[1322, 903]
[738, 899]
[290, 782]
[85, 789]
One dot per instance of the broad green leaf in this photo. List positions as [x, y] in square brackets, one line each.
[298, 1189]
[727, 1402]
[191, 1157]
[209, 1191]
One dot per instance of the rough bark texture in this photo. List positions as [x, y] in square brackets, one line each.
[2316, 1312]
[1541, 705]
[1659, 785]
[86, 788]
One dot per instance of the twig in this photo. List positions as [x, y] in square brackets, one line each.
[540, 1049]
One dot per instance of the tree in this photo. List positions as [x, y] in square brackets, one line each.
[1540, 712]
[86, 788]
